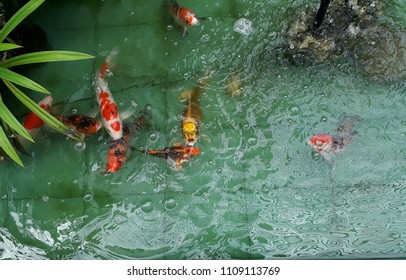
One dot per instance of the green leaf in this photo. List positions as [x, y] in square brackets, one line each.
[18, 79]
[46, 56]
[18, 17]
[8, 117]
[8, 148]
[8, 46]
[41, 113]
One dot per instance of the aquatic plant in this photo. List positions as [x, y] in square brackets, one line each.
[9, 125]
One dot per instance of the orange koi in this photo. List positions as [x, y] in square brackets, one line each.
[183, 16]
[108, 108]
[83, 124]
[177, 154]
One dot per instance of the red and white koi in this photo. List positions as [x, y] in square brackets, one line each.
[108, 107]
[32, 121]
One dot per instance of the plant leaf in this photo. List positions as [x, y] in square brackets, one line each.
[18, 17]
[18, 79]
[44, 115]
[45, 56]
[8, 117]
[8, 46]
[8, 148]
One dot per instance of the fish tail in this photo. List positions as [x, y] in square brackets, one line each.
[172, 2]
[109, 63]
[142, 122]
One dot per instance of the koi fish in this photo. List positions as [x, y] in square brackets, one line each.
[234, 86]
[108, 108]
[83, 124]
[32, 121]
[119, 148]
[178, 154]
[192, 114]
[326, 144]
[183, 16]
[117, 154]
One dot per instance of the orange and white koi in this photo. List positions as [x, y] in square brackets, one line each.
[326, 144]
[178, 154]
[108, 107]
[81, 123]
[192, 114]
[183, 16]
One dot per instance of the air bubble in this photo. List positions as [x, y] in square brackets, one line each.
[170, 203]
[252, 141]
[80, 146]
[74, 111]
[153, 136]
[45, 198]
[323, 119]
[148, 207]
[294, 110]
[148, 107]
[243, 26]
[265, 189]
[88, 197]
[76, 240]
[169, 27]
[205, 38]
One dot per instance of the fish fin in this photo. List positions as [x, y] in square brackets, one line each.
[186, 94]
[18, 146]
[185, 32]
[127, 114]
[205, 137]
[111, 58]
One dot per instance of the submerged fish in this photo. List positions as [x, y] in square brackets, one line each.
[183, 16]
[178, 154]
[234, 85]
[108, 108]
[83, 124]
[192, 114]
[119, 149]
[327, 144]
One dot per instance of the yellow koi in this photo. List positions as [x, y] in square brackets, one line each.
[192, 114]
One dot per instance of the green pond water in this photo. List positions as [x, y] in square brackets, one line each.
[256, 191]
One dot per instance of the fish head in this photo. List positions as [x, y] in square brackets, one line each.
[321, 142]
[190, 133]
[88, 125]
[46, 103]
[114, 163]
[193, 151]
[117, 154]
[188, 17]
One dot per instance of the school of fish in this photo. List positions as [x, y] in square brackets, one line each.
[121, 131]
